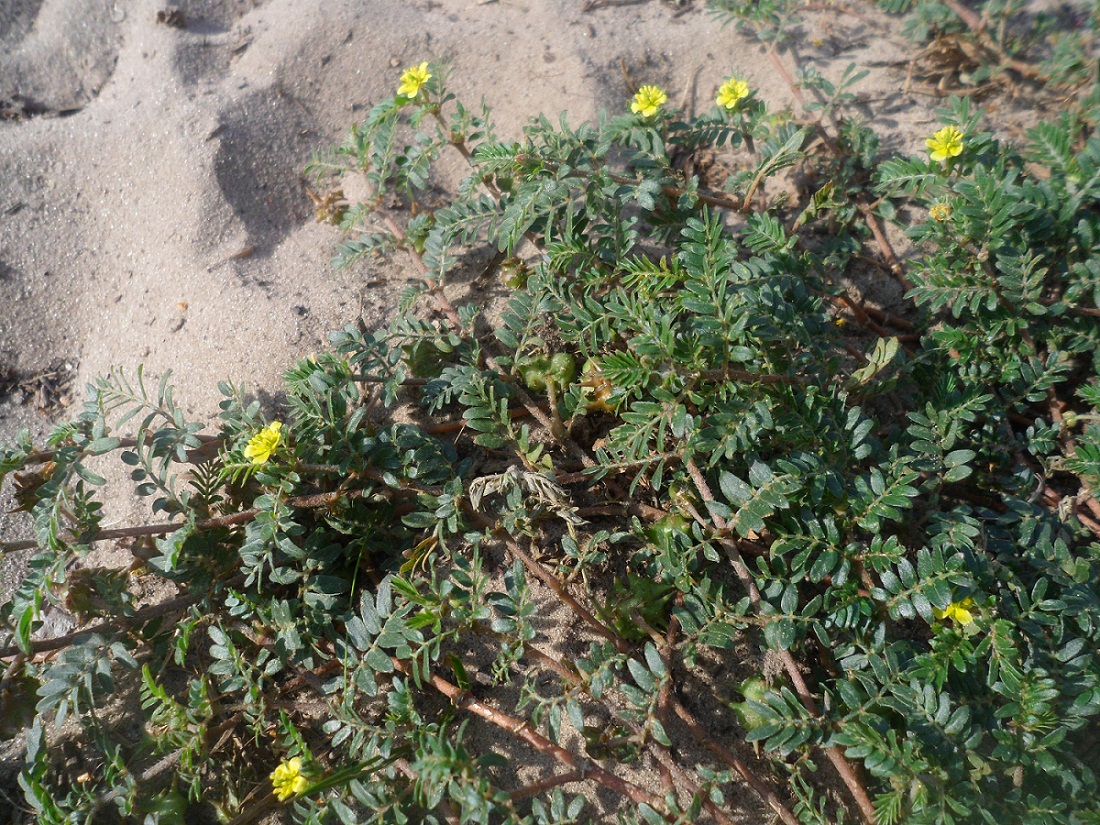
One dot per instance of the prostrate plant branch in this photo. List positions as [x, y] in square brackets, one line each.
[697, 731]
[522, 730]
[139, 616]
[979, 29]
[567, 674]
[549, 783]
[731, 759]
[894, 266]
[865, 208]
[833, 753]
[559, 590]
[307, 502]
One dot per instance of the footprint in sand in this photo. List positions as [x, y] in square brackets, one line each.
[55, 55]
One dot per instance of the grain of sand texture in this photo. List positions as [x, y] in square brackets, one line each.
[153, 208]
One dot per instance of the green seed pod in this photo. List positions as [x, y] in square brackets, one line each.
[755, 689]
[534, 370]
[169, 807]
[563, 369]
[513, 273]
[662, 533]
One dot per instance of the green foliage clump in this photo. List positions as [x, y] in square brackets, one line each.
[846, 559]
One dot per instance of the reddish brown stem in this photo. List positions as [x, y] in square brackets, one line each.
[978, 29]
[664, 695]
[868, 213]
[543, 785]
[664, 759]
[864, 314]
[307, 502]
[144, 614]
[884, 245]
[621, 645]
[834, 755]
[523, 731]
[143, 530]
[673, 771]
[1086, 497]
[747, 377]
[551, 581]
[1055, 500]
[773, 56]
[459, 424]
[701, 736]
[436, 291]
[853, 351]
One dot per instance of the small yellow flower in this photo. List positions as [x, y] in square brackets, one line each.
[732, 92]
[648, 100]
[946, 143]
[263, 443]
[940, 212]
[287, 780]
[412, 79]
[958, 612]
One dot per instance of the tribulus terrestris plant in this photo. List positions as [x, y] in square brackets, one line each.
[677, 518]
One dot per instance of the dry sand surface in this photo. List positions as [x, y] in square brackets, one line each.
[153, 207]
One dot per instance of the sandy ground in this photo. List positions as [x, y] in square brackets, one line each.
[153, 208]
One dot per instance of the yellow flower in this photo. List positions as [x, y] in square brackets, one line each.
[958, 612]
[412, 79]
[263, 443]
[287, 780]
[946, 143]
[648, 100]
[732, 92]
[940, 212]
